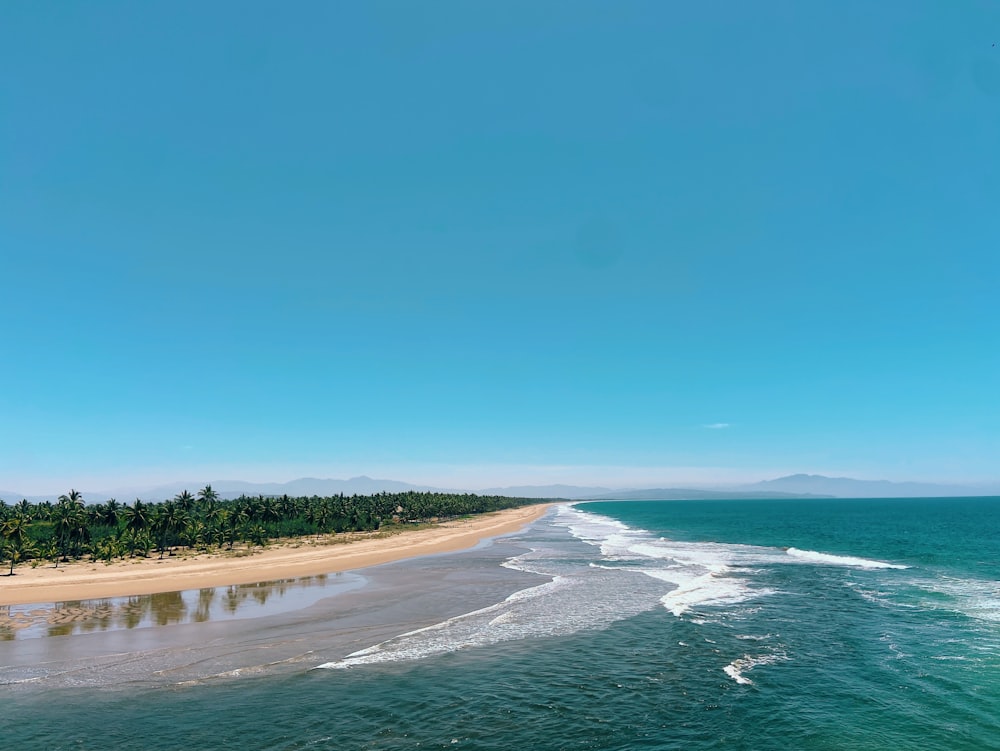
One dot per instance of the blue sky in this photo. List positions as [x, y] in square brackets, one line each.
[626, 243]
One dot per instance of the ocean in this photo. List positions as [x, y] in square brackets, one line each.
[749, 624]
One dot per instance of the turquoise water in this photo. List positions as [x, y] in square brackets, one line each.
[847, 624]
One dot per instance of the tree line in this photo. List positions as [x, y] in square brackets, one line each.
[69, 529]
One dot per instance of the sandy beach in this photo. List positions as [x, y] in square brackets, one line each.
[304, 557]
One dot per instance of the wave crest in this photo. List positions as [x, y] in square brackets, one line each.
[839, 560]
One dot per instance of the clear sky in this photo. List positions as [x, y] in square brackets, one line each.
[627, 243]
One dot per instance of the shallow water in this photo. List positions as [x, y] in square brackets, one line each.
[236, 601]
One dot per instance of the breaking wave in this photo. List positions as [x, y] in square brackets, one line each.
[630, 572]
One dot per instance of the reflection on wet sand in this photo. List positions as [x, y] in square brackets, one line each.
[163, 609]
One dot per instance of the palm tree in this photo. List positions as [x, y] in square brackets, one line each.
[15, 532]
[137, 519]
[216, 522]
[169, 519]
[67, 520]
[18, 550]
[194, 531]
[208, 497]
[15, 527]
[110, 513]
[74, 497]
[185, 500]
[80, 534]
[237, 519]
[256, 534]
[268, 509]
[108, 549]
[217, 515]
[43, 511]
[287, 507]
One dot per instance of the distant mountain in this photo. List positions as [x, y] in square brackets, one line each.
[11, 497]
[546, 491]
[693, 494]
[792, 486]
[847, 487]
[304, 486]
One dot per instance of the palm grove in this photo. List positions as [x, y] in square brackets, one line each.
[69, 529]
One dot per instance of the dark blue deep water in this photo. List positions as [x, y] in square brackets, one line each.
[842, 624]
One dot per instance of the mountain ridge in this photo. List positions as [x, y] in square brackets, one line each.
[789, 486]
[697, 494]
[849, 487]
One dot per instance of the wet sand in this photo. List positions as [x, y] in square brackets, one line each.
[303, 557]
[153, 641]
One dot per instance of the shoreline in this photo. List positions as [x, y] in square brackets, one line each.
[295, 558]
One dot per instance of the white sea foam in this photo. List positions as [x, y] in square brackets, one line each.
[705, 589]
[746, 663]
[630, 571]
[874, 596]
[975, 598]
[840, 560]
[576, 598]
[701, 574]
[447, 636]
[591, 527]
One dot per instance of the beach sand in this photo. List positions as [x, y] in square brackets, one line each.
[303, 557]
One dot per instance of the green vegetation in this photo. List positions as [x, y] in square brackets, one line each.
[69, 529]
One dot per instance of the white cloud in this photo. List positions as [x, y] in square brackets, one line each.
[717, 426]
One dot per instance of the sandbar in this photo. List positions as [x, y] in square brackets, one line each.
[289, 559]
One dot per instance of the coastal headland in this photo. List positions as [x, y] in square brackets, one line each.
[305, 556]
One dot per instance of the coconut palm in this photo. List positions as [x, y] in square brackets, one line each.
[168, 520]
[68, 529]
[185, 501]
[109, 513]
[193, 533]
[43, 511]
[108, 549]
[217, 523]
[67, 521]
[137, 518]
[73, 497]
[208, 497]
[17, 542]
[18, 551]
[255, 534]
